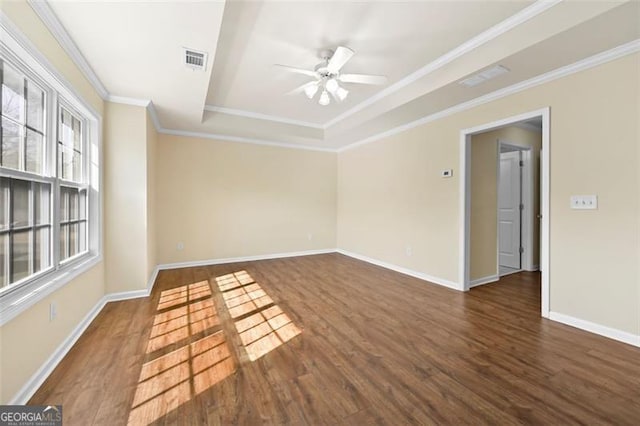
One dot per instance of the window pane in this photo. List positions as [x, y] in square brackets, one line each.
[10, 151]
[35, 107]
[73, 204]
[83, 204]
[65, 163]
[73, 239]
[77, 134]
[82, 236]
[64, 242]
[42, 203]
[42, 260]
[65, 128]
[4, 260]
[21, 255]
[64, 204]
[12, 93]
[4, 204]
[20, 204]
[77, 167]
[35, 145]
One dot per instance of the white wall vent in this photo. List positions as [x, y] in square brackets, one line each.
[194, 59]
[485, 75]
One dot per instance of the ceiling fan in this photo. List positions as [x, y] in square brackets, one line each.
[328, 77]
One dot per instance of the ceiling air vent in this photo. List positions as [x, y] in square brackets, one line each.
[485, 75]
[194, 59]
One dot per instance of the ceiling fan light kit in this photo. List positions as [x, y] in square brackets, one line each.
[328, 77]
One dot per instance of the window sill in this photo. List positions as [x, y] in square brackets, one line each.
[18, 301]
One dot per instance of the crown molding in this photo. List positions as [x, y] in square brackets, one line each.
[241, 139]
[51, 21]
[259, 116]
[508, 24]
[590, 62]
[128, 101]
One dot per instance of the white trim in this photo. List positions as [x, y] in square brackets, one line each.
[590, 62]
[602, 330]
[508, 24]
[38, 378]
[154, 116]
[128, 101]
[241, 139]
[515, 271]
[222, 261]
[429, 278]
[464, 264]
[260, 116]
[484, 280]
[51, 21]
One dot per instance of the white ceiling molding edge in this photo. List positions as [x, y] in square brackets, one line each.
[241, 139]
[584, 64]
[259, 116]
[51, 21]
[486, 36]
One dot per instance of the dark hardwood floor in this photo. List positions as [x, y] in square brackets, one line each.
[331, 340]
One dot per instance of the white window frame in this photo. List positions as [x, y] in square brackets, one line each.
[19, 52]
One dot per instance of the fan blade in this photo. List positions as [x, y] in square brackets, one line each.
[339, 58]
[300, 89]
[298, 70]
[363, 78]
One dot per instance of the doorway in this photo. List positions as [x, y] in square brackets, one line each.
[538, 216]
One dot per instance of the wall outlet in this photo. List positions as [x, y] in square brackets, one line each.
[446, 173]
[584, 202]
[53, 311]
[408, 251]
[310, 236]
[180, 246]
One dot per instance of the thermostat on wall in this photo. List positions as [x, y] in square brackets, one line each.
[447, 173]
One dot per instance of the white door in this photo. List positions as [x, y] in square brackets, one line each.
[509, 199]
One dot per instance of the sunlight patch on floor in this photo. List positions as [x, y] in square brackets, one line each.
[261, 324]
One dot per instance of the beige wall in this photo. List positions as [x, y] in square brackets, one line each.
[126, 197]
[484, 195]
[28, 340]
[390, 193]
[152, 143]
[223, 199]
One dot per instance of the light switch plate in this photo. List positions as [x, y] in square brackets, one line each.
[584, 202]
[447, 173]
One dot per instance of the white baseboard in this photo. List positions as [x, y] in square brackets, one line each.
[209, 262]
[38, 378]
[602, 330]
[484, 280]
[405, 271]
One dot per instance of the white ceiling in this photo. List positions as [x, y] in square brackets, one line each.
[424, 47]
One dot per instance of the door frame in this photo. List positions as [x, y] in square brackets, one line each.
[465, 199]
[528, 214]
